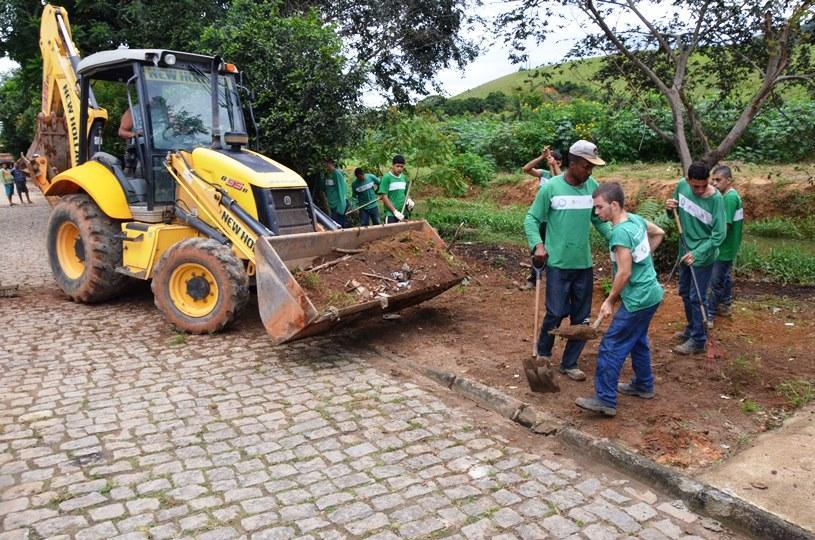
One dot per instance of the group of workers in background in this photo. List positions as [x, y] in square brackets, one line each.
[557, 228]
[366, 191]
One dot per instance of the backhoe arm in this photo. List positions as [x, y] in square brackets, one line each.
[58, 126]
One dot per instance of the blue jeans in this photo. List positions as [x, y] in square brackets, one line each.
[627, 334]
[721, 287]
[339, 217]
[568, 294]
[367, 214]
[695, 329]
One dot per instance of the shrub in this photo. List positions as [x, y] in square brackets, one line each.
[449, 179]
[477, 169]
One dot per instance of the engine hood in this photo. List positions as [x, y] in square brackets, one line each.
[245, 166]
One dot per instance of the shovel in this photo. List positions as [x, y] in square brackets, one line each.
[538, 370]
[580, 332]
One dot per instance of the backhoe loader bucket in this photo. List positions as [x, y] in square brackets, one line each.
[50, 141]
[285, 309]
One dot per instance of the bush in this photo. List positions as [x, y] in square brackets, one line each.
[478, 170]
[448, 178]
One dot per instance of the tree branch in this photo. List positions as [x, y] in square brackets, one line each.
[595, 15]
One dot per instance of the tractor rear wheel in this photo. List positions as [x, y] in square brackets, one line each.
[83, 250]
[200, 286]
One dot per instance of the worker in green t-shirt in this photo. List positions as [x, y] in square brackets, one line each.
[552, 159]
[363, 195]
[393, 189]
[701, 213]
[633, 239]
[565, 204]
[720, 297]
[335, 187]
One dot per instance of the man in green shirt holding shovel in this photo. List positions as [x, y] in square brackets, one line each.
[565, 203]
[701, 213]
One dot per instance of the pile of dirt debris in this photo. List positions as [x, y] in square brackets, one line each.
[384, 267]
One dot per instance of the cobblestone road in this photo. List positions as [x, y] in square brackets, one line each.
[113, 426]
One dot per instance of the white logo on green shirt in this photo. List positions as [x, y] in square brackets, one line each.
[364, 187]
[695, 210]
[739, 215]
[572, 202]
[395, 186]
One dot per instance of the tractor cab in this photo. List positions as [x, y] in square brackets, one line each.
[177, 101]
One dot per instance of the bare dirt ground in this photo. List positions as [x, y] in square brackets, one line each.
[761, 197]
[704, 409]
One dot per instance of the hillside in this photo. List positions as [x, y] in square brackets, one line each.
[578, 72]
[581, 73]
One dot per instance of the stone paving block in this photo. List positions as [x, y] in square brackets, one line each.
[275, 533]
[677, 511]
[667, 527]
[600, 532]
[101, 531]
[260, 521]
[480, 529]
[110, 511]
[61, 524]
[640, 511]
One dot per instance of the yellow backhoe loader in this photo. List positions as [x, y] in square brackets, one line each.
[190, 207]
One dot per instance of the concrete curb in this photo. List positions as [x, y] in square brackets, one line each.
[730, 510]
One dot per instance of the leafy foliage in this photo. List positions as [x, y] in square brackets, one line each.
[661, 56]
[477, 169]
[304, 89]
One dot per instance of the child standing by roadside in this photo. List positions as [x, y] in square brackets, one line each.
[8, 182]
[720, 298]
[19, 184]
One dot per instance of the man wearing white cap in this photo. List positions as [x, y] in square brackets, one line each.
[566, 204]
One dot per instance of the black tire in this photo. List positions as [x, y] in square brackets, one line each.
[85, 267]
[198, 301]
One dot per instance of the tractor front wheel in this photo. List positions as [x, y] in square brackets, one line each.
[83, 250]
[200, 286]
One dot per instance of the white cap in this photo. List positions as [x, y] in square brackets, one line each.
[588, 151]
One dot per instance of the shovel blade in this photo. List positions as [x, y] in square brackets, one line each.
[540, 376]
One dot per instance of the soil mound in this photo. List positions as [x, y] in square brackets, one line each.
[385, 267]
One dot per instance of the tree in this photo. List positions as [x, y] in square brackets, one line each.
[745, 52]
[305, 91]
[402, 44]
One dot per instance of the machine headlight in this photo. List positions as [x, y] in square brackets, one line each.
[169, 59]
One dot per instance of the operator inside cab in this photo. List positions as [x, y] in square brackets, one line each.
[130, 131]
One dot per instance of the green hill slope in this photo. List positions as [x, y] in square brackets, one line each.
[577, 72]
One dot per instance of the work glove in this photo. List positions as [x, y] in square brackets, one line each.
[398, 215]
[409, 204]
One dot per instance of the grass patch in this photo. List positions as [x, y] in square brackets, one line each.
[775, 227]
[741, 371]
[309, 280]
[785, 265]
[748, 406]
[178, 339]
[488, 222]
[797, 392]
